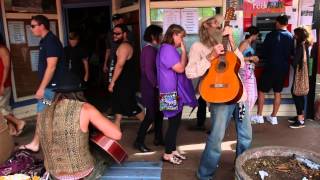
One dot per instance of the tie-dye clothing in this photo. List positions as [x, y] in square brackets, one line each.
[249, 79]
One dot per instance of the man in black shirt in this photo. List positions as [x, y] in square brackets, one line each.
[110, 45]
[76, 58]
[278, 47]
[49, 68]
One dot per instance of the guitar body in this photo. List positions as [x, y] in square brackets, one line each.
[113, 148]
[222, 83]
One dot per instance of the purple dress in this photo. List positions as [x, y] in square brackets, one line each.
[148, 81]
[170, 81]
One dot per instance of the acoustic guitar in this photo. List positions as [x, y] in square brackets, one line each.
[112, 147]
[222, 84]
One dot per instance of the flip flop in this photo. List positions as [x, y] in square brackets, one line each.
[172, 160]
[180, 156]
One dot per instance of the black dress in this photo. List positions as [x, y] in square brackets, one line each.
[124, 100]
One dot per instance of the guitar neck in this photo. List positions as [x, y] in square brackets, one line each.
[225, 39]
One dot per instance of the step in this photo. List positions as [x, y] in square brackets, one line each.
[134, 170]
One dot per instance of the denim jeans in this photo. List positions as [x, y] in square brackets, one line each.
[220, 118]
[44, 102]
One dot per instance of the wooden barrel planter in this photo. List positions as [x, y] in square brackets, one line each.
[271, 151]
[6, 140]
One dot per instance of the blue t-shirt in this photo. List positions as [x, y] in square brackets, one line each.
[50, 46]
[277, 49]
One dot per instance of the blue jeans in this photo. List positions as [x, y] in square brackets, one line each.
[47, 99]
[220, 118]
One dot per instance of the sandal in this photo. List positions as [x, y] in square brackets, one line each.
[173, 160]
[180, 156]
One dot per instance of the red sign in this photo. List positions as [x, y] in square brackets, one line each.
[254, 7]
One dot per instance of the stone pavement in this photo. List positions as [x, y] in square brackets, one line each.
[192, 144]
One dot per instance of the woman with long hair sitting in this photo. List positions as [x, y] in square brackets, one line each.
[64, 131]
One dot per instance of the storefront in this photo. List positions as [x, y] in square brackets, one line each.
[23, 45]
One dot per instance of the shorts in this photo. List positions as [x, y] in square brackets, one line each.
[46, 101]
[271, 80]
[123, 101]
[5, 108]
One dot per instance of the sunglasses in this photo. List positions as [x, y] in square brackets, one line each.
[34, 25]
[117, 34]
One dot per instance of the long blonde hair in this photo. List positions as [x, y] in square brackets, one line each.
[210, 36]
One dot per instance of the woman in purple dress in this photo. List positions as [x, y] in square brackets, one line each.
[149, 88]
[172, 78]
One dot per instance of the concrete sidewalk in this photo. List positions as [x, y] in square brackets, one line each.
[192, 144]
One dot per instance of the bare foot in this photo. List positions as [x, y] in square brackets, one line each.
[178, 155]
[170, 158]
[31, 147]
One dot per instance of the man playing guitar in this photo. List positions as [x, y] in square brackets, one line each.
[200, 60]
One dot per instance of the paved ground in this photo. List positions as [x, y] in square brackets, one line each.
[192, 143]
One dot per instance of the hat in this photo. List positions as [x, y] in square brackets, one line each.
[68, 82]
[219, 18]
[116, 17]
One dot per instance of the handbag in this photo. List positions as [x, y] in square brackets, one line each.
[169, 101]
[301, 80]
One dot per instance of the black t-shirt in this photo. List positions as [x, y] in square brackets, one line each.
[74, 57]
[50, 46]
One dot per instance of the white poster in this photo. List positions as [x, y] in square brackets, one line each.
[293, 14]
[171, 16]
[190, 20]
[16, 32]
[32, 40]
[306, 16]
[34, 59]
[53, 28]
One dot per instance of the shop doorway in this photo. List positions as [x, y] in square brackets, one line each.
[93, 25]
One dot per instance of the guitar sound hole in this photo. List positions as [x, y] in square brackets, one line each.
[221, 66]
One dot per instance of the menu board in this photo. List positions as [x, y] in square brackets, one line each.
[34, 59]
[16, 32]
[171, 16]
[190, 20]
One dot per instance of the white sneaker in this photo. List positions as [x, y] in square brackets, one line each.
[253, 119]
[257, 119]
[272, 120]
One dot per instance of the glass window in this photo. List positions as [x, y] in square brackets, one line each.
[156, 16]
[31, 6]
[126, 3]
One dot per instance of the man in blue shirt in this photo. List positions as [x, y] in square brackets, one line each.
[277, 47]
[49, 68]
